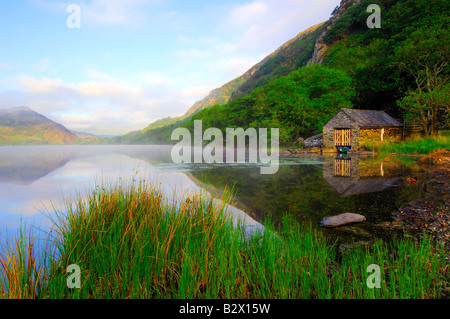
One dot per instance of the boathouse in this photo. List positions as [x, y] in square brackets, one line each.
[349, 130]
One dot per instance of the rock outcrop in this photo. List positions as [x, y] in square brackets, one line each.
[320, 47]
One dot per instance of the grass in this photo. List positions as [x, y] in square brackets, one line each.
[413, 145]
[130, 241]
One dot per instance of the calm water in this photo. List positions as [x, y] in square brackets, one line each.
[34, 180]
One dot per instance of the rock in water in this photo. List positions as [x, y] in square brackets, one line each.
[343, 219]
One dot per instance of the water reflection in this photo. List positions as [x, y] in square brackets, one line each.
[35, 179]
[352, 175]
[41, 179]
[312, 187]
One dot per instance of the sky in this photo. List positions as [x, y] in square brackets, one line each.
[115, 66]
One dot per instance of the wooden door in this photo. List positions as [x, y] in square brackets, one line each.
[342, 137]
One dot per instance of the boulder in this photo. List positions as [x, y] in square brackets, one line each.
[342, 219]
[314, 141]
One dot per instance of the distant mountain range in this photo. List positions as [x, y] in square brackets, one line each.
[23, 126]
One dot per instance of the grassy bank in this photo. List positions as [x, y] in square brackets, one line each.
[412, 145]
[131, 242]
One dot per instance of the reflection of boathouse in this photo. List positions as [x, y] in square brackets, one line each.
[350, 176]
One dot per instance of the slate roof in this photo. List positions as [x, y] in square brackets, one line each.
[371, 118]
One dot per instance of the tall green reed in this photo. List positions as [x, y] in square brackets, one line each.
[131, 241]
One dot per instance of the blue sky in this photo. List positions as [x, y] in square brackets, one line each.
[133, 62]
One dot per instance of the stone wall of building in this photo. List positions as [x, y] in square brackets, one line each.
[339, 121]
[376, 135]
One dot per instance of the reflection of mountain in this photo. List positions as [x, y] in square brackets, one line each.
[24, 165]
[156, 154]
[351, 176]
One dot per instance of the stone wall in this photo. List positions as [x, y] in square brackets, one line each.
[339, 121]
[376, 135]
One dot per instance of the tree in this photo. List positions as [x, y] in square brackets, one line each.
[424, 56]
[431, 108]
[304, 101]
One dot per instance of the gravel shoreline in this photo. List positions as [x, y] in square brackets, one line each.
[431, 214]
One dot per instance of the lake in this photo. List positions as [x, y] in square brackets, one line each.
[36, 180]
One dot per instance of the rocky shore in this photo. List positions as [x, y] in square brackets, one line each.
[430, 215]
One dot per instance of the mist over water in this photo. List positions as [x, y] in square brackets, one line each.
[37, 180]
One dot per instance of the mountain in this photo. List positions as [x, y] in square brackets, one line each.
[83, 134]
[342, 63]
[288, 57]
[23, 126]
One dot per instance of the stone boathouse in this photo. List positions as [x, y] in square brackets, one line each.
[351, 129]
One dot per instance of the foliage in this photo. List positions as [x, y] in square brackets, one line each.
[425, 57]
[413, 145]
[353, 20]
[372, 57]
[298, 104]
[401, 68]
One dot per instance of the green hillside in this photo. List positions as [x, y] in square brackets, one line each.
[401, 68]
[288, 57]
[23, 126]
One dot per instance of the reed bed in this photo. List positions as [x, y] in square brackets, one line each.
[130, 241]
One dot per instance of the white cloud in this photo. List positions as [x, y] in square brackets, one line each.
[41, 85]
[103, 104]
[99, 76]
[269, 23]
[156, 79]
[245, 33]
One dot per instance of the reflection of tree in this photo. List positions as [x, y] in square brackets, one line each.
[298, 190]
[301, 190]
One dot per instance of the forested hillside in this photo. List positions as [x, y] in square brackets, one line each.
[401, 68]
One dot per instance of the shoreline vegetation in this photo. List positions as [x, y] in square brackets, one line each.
[415, 146]
[130, 241]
